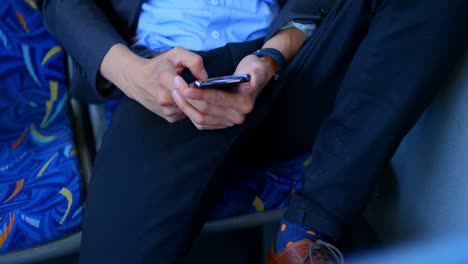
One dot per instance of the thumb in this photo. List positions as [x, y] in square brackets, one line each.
[187, 59]
[180, 84]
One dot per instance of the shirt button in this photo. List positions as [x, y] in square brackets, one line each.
[214, 2]
[215, 34]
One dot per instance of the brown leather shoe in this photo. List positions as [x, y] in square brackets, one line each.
[306, 252]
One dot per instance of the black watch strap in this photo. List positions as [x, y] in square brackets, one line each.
[276, 55]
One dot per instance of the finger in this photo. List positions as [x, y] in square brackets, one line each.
[239, 102]
[180, 83]
[166, 81]
[164, 112]
[187, 59]
[221, 112]
[176, 118]
[171, 111]
[164, 99]
[200, 120]
[208, 127]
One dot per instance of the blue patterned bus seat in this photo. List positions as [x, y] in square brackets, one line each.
[41, 189]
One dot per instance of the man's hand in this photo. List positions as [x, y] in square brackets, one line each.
[217, 109]
[151, 81]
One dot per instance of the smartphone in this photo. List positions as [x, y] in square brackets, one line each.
[223, 81]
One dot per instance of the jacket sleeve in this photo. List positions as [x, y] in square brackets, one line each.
[304, 11]
[82, 28]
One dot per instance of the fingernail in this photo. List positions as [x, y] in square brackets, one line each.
[204, 73]
[176, 95]
[177, 82]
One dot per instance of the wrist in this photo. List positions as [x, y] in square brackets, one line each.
[274, 58]
[118, 64]
[271, 65]
[288, 41]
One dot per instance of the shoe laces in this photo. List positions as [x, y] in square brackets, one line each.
[320, 244]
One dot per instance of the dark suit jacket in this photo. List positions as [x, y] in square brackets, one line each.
[88, 28]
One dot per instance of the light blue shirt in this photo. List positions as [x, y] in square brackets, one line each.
[200, 25]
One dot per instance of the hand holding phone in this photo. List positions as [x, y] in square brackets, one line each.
[223, 81]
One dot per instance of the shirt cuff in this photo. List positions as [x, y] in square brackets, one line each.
[308, 29]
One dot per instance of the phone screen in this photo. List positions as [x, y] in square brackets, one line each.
[223, 81]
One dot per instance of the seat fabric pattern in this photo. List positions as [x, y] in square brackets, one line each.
[260, 188]
[41, 189]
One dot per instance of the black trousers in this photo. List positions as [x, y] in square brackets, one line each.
[354, 90]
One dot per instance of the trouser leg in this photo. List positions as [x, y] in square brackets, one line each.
[409, 50]
[152, 180]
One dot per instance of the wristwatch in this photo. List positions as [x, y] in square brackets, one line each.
[274, 54]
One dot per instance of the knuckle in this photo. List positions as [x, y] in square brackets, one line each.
[246, 106]
[198, 59]
[171, 120]
[200, 127]
[203, 107]
[239, 120]
[201, 119]
[164, 100]
[218, 98]
[169, 112]
[160, 79]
